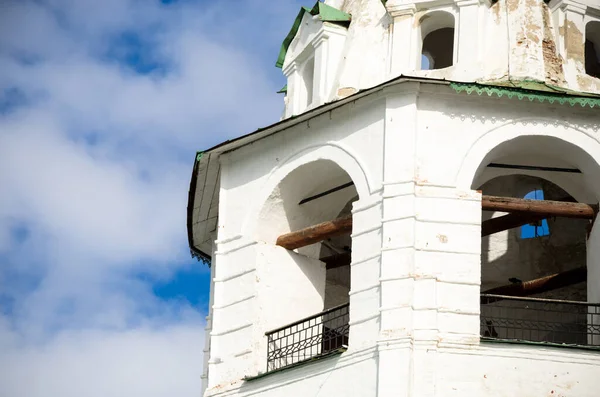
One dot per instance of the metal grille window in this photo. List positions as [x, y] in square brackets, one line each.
[308, 338]
[540, 320]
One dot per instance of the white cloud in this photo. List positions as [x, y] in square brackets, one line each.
[141, 362]
[95, 161]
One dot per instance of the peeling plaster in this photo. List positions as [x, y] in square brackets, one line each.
[552, 60]
[509, 40]
[575, 43]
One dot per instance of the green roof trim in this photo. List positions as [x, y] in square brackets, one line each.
[329, 13]
[326, 14]
[550, 94]
[283, 90]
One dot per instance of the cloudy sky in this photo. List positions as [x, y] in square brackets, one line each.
[103, 105]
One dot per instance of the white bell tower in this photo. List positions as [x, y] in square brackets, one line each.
[422, 221]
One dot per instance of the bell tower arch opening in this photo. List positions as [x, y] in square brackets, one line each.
[306, 281]
[436, 39]
[538, 275]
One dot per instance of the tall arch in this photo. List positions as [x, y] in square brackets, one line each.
[314, 185]
[341, 156]
[550, 149]
[567, 142]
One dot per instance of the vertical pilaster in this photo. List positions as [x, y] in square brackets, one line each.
[447, 265]
[293, 93]
[321, 45]
[208, 327]
[402, 37]
[365, 272]
[572, 29]
[233, 311]
[468, 34]
[397, 249]
[526, 34]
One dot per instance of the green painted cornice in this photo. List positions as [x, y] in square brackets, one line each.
[326, 14]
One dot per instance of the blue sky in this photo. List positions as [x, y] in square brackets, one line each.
[102, 108]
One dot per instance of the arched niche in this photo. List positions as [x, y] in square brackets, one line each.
[437, 40]
[592, 49]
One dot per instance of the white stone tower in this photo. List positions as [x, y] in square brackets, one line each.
[422, 220]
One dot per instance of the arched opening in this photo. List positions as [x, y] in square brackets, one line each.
[437, 40]
[305, 299]
[592, 49]
[536, 269]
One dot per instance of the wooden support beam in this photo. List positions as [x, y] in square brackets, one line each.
[505, 222]
[325, 193]
[316, 233]
[338, 260]
[543, 208]
[546, 208]
[539, 285]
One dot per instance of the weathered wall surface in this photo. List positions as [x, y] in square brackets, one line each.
[415, 152]
[502, 42]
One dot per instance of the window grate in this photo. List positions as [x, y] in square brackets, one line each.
[308, 338]
[540, 320]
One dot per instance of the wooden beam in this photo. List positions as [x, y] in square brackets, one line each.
[505, 222]
[539, 285]
[534, 168]
[316, 233]
[337, 260]
[543, 208]
[546, 208]
[325, 193]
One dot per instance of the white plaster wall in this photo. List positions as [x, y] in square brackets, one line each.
[415, 153]
[513, 370]
[498, 42]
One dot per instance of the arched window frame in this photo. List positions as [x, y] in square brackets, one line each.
[430, 22]
[592, 34]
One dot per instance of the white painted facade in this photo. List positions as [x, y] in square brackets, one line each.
[503, 42]
[417, 152]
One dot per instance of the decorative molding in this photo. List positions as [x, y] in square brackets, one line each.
[466, 3]
[365, 289]
[398, 10]
[520, 94]
[363, 320]
[231, 277]
[236, 248]
[231, 330]
[244, 299]
[366, 259]
[366, 231]
[502, 121]
[570, 5]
